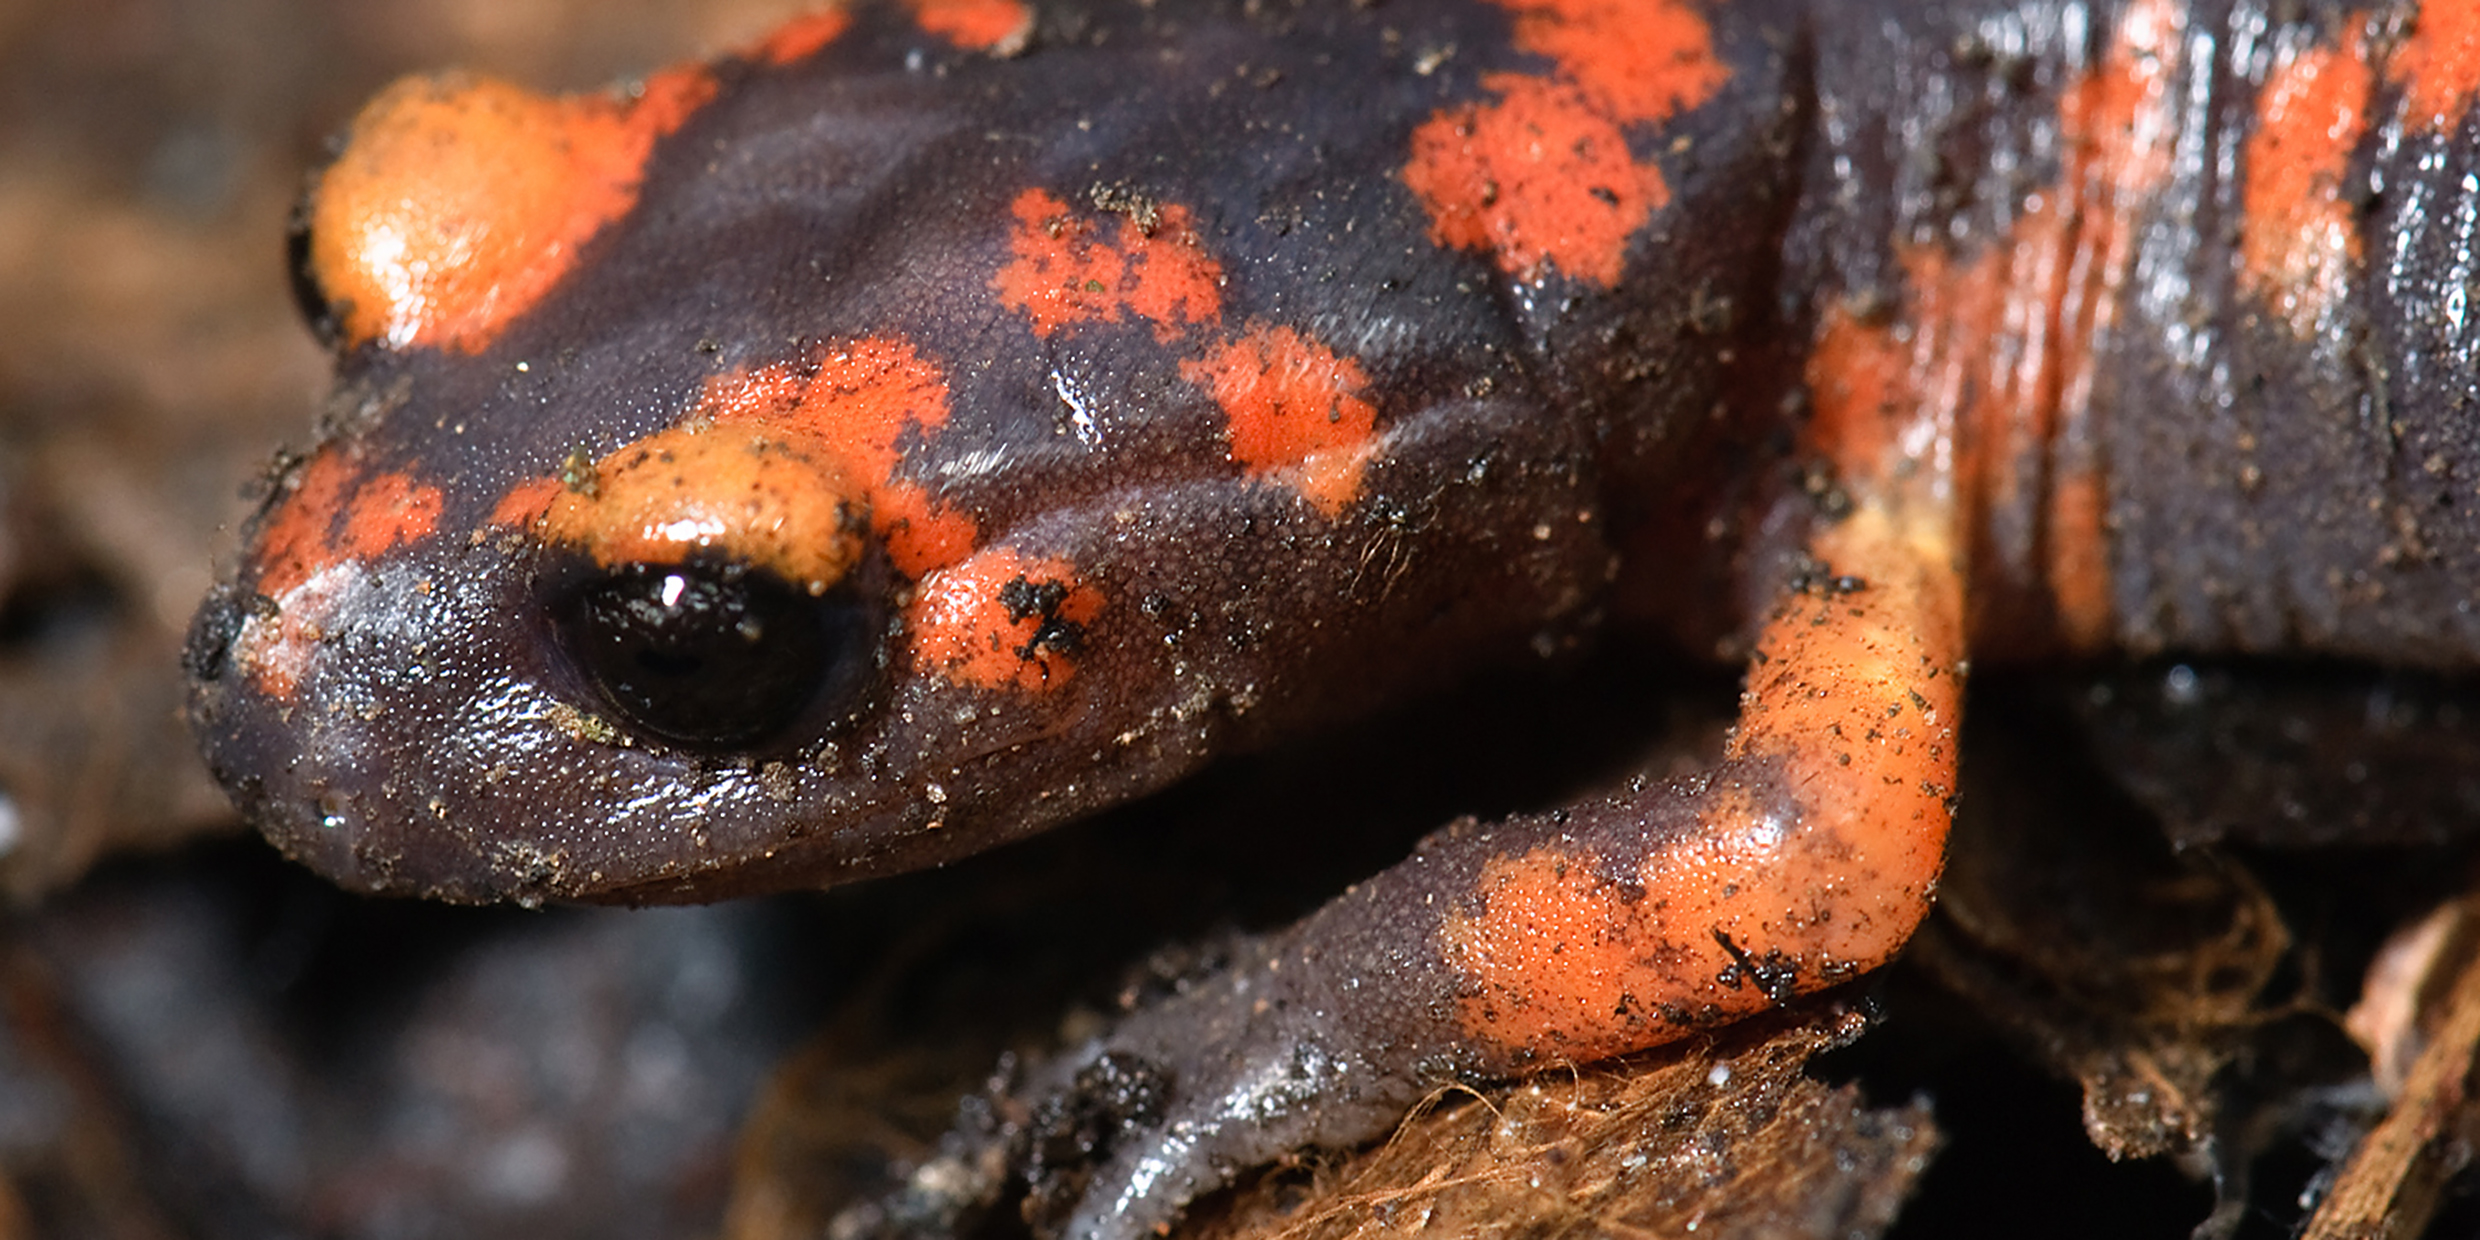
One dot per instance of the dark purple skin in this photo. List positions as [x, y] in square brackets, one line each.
[433, 749]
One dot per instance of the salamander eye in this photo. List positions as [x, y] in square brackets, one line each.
[308, 296]
[711, 656]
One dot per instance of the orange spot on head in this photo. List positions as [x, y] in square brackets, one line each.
[1072, 268]
[336, 513]
[2300, 242]
[389, 509]
[526, 502]
[1637, 61]
[1540, 179]
[1000, 27]
[1002, 620]
[2439, 64]
[861, 396]
[778, 466]
[716, 487]
[296, 540]
[859, 403]
[920, 535]
[802, 37]
[461, 201]
[1296, 411]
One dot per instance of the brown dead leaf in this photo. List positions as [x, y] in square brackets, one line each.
[2064, 915]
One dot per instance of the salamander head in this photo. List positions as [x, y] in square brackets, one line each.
[611, 581]
[690, 524]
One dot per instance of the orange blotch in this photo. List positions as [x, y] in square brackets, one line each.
[861, 396]
[1002, 620]
[920, 536]
[526, 502]
[857, 401]
[779, 466]
[861, 400]
[802, 37]
[762, 500]
[461, 201]
[389, 509]
[2300, 242]
[768, 392]
[1000, 27]
[1637, 61]
[1540, 179]
[1296, 412]
[1564, 965]
[295, 542]
[2438, 66]
[1072, 268]
[335, 514]
[1815, 849]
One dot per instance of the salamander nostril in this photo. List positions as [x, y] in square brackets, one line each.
[709, 656]
[208, 648]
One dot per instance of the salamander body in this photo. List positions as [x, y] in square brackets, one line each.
[945, 419]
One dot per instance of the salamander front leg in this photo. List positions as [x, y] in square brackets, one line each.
[1806, 857]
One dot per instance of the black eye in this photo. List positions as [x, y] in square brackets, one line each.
[308, 297]
[711, 656]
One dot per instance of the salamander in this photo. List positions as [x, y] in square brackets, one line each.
[946, 418]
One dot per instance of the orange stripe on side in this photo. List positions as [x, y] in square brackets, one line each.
[461, 201]
[2438, 66]
[1071, 268]
[1993, 361]
[1002, 620]
[1296, 412]
[2118, 126]
[2299, 245]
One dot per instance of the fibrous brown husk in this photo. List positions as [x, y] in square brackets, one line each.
[1728, 1138]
